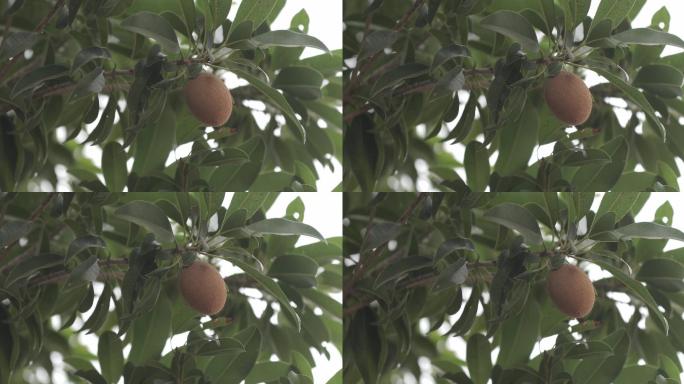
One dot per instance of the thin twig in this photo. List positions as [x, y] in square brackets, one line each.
[40, 28]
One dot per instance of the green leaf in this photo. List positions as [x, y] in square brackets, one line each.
[517, 140]
[636, 374]
[453, 275]
[114, 166]
[478, 356]
[604, 370]
[220, 346]
[150, 332]
[648, 36]
[620, 203]
[401, 268]
[516, 217]
[602, 177]
[518, 336]
[296, 270]
[38, 77]
[270, 286]
[110, 356]
[106, 123]
[634, 95]
[664, 274]
[637, 289]
[99, 315]
[92, 82]
[575, 12]
[364, 339]
[476, 160]
[577, 157]
[33, 265]
[585, 349]
[447, 53]
[149, 216]
[469, 314]
[302, 82]
[87, 55]
[614, 10]
[397, 76]
[287, 38]
[377, 41]
[154, 143]
[218, 10]
[512, 24]
[268, 371]
[17, 42]
[88, 270]
[92, 376]
[660, 79]
[188, 8]
[155, 27]
[274, 97]
[647, 230]
[380, 233]
[251, 202]
[283, 227]
[256, 11]
[452, 245]
[82, 243]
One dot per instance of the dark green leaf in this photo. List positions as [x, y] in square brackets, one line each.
[513, 25]
[296, 270]
[478, 356]
[114, 166]
[110, 356]
[148, 216]
[153, 26]
[516, 217]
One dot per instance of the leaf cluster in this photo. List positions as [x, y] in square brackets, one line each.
[107, 264]
[472, 267]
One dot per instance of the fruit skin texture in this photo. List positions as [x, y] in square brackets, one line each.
[203, 288]
[571, 290]
[568, 98]
[209, 99]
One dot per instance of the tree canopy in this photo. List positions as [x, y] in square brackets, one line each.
[106, 264]
[438, 94]
[430, 275]
[84, 81]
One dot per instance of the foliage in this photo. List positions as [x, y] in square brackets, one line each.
[106, 264]
[127, 61]
[427, 273]
[413, 67]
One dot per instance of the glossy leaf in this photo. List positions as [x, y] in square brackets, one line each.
[148, 216]
[153, 26]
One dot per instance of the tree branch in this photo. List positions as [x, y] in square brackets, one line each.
[37, 212]
[40, 28]
[358, 270]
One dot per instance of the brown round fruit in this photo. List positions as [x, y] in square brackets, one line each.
[568, 98]
[209, 99]
[571, 290]
[203, 288]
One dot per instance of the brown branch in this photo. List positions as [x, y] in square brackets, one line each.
[34, 215]
[59, 276]
[358, 270]
[421, 281]
[40, 28]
